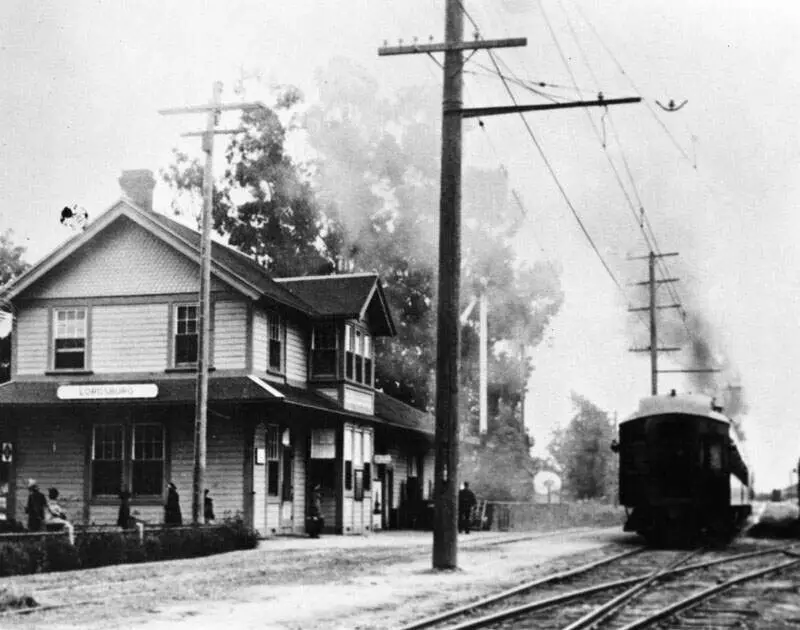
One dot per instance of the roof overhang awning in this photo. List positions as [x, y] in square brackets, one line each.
[142, 390]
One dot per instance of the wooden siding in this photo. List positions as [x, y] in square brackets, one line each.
[300, 443]
[260, 484]
[129, 338]
[124, 259]
[296, 354]
[400, 465]
[51, 448]
[359, 400]
[428, 474]
[31, 341]
[259, 341]
[230, 335]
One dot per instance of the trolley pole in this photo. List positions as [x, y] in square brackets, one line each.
[213, 111]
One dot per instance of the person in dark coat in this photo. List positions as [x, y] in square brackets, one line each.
[37, 504]
[172, 509]
[466, 501]
[124, 519]
[208, 508]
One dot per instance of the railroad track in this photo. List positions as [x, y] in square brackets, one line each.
[50, 593]
[625, 592]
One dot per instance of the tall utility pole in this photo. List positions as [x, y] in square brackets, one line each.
[652, 284]
[445, 522]
[213, 111]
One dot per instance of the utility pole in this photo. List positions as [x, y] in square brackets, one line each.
[652, 284]
[213, 111]
[483, 358]
[445, 522]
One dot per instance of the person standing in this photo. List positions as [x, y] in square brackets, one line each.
[172, 508]
[466, 501]
[124, 515]
[37, 504]
[208, 508]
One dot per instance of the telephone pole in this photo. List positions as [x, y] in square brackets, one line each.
[213, 110]
[653, 284]
[445, 525]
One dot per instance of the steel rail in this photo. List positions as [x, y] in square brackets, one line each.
[593, 617]
[699, 598]
[536, 606]
[556, 577]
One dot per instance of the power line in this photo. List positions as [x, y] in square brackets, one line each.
[635, 87]
[642, 221]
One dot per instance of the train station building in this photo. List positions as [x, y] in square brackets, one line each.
[102, 389]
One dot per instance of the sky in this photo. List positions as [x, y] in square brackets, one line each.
[84, 80]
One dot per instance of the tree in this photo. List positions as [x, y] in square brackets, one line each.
[582, 451]
[264, 205]
[11, 266]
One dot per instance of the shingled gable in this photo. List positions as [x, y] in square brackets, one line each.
[350, 296]
[230, 266]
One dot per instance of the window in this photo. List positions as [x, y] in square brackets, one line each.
[107, 459]
[358, 355]
[69, 339]
[147, 467]
[273, 460]
[323, 351]
[275, 343]
[186, 334]
[139, 468]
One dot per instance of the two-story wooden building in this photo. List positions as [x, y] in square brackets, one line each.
[102, 394]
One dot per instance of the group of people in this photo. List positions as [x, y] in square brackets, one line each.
[46, 513]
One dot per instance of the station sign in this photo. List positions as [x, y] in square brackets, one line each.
[382, 459]
[106, 391]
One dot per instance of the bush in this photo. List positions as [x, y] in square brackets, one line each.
[96, 549]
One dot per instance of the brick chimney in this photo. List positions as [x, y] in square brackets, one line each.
[137, 185]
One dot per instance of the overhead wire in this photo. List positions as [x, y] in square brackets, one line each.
[644, 223]
[549, 165]
[635, 87]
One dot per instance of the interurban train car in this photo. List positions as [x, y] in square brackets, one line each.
[682, 474]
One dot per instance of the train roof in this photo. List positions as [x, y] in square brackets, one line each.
[686, 404]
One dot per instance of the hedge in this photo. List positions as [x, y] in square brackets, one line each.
[95, 549]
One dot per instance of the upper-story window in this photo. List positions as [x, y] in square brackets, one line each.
[186, 334]
[69, 339]
[358, 355]
[323, 351]
[275, 344]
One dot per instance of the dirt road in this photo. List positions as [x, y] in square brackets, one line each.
[375, 581]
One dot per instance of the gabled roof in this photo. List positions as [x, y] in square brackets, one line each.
[351, 296]
[230, 266]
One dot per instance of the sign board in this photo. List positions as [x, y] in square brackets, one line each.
[107, 390]
[6, 452]
[382, 459]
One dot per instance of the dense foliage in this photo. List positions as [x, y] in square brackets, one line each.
[11, 266]
[582, 452]
[366, 199]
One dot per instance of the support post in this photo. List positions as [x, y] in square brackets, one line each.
[653, 333]
[445, 526]
[483, 357]
[212, 110]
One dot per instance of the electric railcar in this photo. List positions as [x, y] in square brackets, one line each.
[681, 472]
